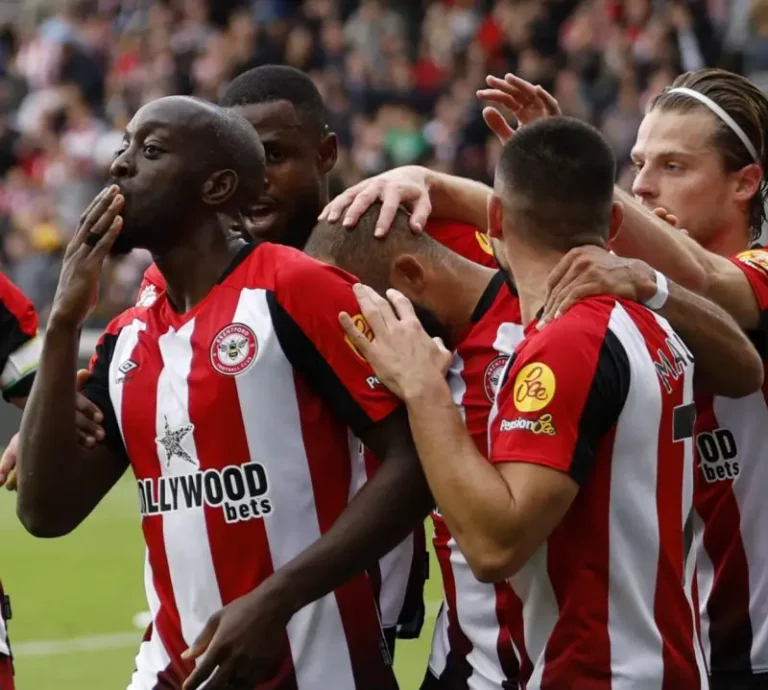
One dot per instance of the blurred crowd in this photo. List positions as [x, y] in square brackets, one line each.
[399, 78]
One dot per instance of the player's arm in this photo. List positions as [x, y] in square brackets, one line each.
[397, 498]
[644, 236]
[500, 515]
[60, 481]
[726, 362]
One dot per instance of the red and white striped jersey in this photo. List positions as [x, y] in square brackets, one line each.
[730, 513]
[235, 418]
[471, 647]
[605, 394]
[20, 345]
[398, 579]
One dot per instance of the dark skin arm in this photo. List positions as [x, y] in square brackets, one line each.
[241, 638]
[52, 503]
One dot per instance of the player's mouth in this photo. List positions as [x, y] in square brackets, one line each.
[261, 216]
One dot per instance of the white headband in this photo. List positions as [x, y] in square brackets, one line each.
[725, 117]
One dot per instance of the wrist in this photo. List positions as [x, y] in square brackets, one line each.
[60, 325]
[280, 594]
[427, 389]
[657, 298]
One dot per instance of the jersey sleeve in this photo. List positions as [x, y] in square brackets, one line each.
[96, 389]
[466, 240]
[754, 265]
[20, 344]
[565, 390]
[305, 307]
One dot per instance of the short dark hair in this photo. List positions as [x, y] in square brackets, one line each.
[279, 83]
[357, 251]
[233, 143]
[556, 177]
[747, 105]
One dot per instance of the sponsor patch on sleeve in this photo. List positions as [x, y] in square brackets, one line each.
[485, 242]
[361, 325]
[534, 387]
[755, 258]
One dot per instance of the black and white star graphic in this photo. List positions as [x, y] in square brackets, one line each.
[171, 443]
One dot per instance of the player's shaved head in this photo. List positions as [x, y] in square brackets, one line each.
[555, 181]
[370, 258]
[182, 159]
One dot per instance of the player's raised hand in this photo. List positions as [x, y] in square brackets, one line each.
[588, 271]
[78, 285]
[8, 464]
[526, 101]
[402, 354]
[406, 186]
[240, 644]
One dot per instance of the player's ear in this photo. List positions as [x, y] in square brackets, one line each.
[408, 275]
[748, 181]
[616, 221]
[327, 153]
[219, 187]
[495, 217]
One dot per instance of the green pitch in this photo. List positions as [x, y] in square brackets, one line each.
[76, 600]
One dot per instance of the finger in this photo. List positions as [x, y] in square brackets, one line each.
[401, 304]
[206, 669]
[104, 222]
[660, 212]
[85, 440]
[422, 209]
[12, 483]
[375, 309]
[88, 427]
[361, 203]
[503, 99]
[549, 101]
[360, 342]
[103, 246]
[562, 267]
[94, 215]
[203, 640]
[81, 378]
[87, 408]
[576, 294]
[557, 291]
[510, 87]
[524, 90]
[332, 212]
[7, 465]
[93, 203]
[672, 220]
[389, 205]
[498, 124]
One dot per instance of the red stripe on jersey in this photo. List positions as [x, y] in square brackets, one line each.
[228, 448]
[572, 648]
[460, 646]
[325, 436]
[678, 638]
[138, 408]
[730, 626]
[19, 307]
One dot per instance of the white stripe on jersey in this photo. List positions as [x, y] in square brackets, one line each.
[152, 658]
[705, 578]
[747, 419]
[316, 634]
[185, 531]
[636, 644]
[457, 384]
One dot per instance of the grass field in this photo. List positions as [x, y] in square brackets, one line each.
[76, 600]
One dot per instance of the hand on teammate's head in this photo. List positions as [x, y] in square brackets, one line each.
[406, 186]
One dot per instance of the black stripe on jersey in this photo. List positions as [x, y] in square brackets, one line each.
[11, 335]
[241, 256]
[759, 338]
[96, 389]
[306, 359]
[605, 400]
[489, 295]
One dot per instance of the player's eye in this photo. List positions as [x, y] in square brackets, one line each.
[638, 164]
[152, 151]
[274, 156]
[671, 166]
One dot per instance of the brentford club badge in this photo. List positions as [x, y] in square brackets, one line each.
[234, 349]
[492, 375]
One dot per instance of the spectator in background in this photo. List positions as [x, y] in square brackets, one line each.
[399, 77]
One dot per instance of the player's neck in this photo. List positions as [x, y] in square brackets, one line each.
[458, 289]
[191, 269]
[729, 241]
[530, 269]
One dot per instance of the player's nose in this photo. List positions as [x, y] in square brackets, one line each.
[644, 187]
[123, 166]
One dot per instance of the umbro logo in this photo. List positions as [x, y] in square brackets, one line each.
[125, 368]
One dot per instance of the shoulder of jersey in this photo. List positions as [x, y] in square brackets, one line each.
[756, 258]
[464, 239]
